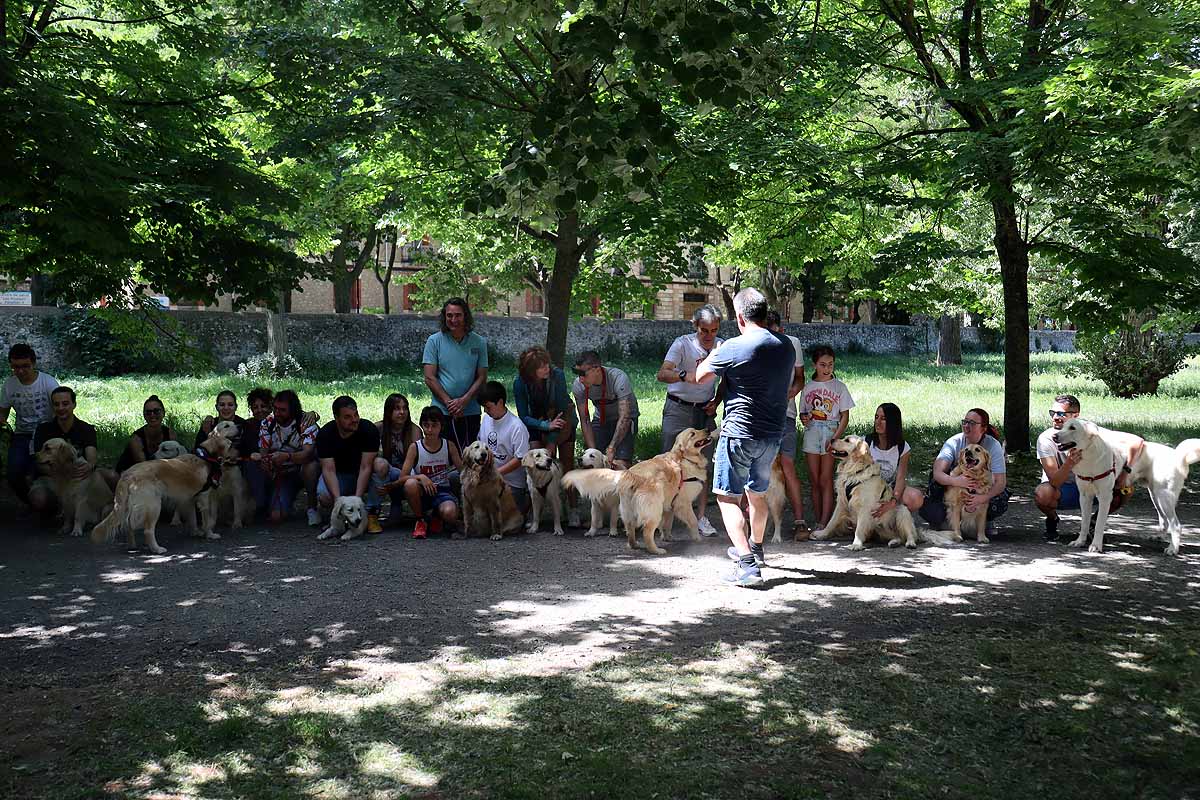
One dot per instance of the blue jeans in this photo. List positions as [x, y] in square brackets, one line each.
[743, 464]
[271, 494]
[348, 483]
[21, 466]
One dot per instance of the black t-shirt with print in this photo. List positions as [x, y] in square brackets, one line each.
[80, 436]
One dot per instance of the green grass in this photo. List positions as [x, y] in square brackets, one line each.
[933, 399]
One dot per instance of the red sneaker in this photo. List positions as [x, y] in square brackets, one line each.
[419, 530]
[435, 525]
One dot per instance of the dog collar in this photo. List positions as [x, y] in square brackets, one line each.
[214, 470]
[1104, 474]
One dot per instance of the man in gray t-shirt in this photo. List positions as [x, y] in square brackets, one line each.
[612, 426]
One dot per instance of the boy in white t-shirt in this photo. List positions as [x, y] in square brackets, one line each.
[28, 393]
[508, 439]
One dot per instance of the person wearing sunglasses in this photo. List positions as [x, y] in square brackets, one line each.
[145, 441]
[977, 428]
[1057, 489]
[613, 428]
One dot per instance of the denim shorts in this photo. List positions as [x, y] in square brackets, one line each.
[1068, 497]
[818, 434]
[787, 445]
[743, 464]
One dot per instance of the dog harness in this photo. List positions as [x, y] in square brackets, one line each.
[543, 489]
[214, 470]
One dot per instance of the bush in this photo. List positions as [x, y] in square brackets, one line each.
[265, 366]
[113, 341]
[1130, 361]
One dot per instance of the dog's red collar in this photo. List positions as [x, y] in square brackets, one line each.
[1104, 474]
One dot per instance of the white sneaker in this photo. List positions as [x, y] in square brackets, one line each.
[314, 518]
[706, 527]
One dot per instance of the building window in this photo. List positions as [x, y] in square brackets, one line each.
[406, 302]
[692, 301]
[534, 302]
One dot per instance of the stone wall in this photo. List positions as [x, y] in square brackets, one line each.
[232, 337]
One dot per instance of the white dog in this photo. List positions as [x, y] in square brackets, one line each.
[348, 519]
[595, 459]
[1162, 469]
[543, 476]
[169, 449]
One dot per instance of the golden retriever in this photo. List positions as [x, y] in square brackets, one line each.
[347, 520]
[860, 488]
[601, 504]
[231, 502]
[143, 488]
[488, 504]
[776, 498]
[974, 462]
[652, 492]
[543, 476]
[84, 501]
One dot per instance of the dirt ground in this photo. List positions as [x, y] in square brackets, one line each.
[76, 617]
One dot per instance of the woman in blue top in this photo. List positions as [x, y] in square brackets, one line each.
[543, 404]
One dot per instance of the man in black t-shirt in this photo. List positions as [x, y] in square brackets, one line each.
[346, 448]
[80, 435]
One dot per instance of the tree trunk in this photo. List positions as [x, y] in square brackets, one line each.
[277, 327]
[1013, 253]
[869, 312]
[949, 340]
[567, 255]
[40, 287]
[342, 285]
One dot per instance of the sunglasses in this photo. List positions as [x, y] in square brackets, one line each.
[152, 412]
[1057, 414]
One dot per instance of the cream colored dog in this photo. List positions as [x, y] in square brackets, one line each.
[85, 501]
[1162, 469]
[975, 462]
[347, 520]
[144, 487]
[652, 492]
[231, 502]
[488, 504]
[601, 504]
[859, 488]
[543, 477]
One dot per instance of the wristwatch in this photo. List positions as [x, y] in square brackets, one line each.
[683, 375]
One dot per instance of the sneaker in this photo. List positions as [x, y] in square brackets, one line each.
[419, 531]
[756, 550]
[314, 518]
[706, 527]
[373, 525]
[749, 577]
[1051, 534]
[435, 525]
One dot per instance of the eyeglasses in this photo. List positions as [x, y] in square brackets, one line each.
[152, 412]
[1057, 414]
[970, 423]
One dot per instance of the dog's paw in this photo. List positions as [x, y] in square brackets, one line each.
[893, 542]
[911, 544]
[857, 546]
[531, 528]
[328, 533]
[347, 536]
[495, 537]
[158, 550]
[823, 533]
[589, 533]
[777, 539]
[1171, 550]
[559, 532]
[1078, 543]
[613, 532]
[213, 535]
[1095, 547]
[956, 537]
[983, 539]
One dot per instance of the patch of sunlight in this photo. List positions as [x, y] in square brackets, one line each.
[296, 579]
[483, 710]
[899, 669]
[384, 760]
[39, 632]
[846, 738]
[187, 603]
[985, 690]
[1081, 702]
[206, 773]
[123, 576]
[37, 597]
[1134, 667]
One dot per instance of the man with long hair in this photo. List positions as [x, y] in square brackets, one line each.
[455, 363]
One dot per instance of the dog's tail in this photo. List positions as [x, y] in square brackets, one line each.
[1188, 451]
[933, 537]
[107, 529]
[594, 484]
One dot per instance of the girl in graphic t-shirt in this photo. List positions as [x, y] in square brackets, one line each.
[427, 487]
[825, 405]
[891, 453]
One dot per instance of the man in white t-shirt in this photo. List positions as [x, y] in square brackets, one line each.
[27, 392]
[1058, 488]
[787, 445]
[508, 439]
[692, 405]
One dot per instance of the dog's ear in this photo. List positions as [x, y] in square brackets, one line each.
[862, 450]
[1089, 427]
[985, 459]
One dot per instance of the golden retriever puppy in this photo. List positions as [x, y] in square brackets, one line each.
[651, 493]
[975, 463]
[144, 487]
[543, 476]
[776, 498]
[860, 488]
[488, 504]
[347, 520]
[84, 501]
